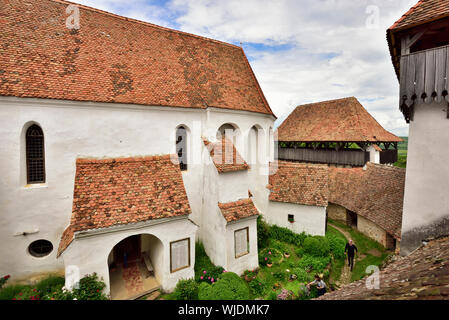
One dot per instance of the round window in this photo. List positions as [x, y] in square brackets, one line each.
[40, 248]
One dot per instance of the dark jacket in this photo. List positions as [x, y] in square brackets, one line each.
[350, 249]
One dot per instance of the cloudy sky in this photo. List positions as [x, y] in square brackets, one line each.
[302, 51]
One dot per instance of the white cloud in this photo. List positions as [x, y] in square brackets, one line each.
[358, 65]
[331, 51]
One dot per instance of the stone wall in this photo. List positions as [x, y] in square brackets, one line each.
[336, 212]
[372, 230]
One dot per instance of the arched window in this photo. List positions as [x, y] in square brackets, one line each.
[229, 132]
[181, 147]
[35, 155]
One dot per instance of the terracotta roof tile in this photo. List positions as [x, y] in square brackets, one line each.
[299, 183]
[422, 12]
[225, 156]
[111, 192]
[423, 275]
[234, 211]
[118, 59]
[376, 193]
[341, 120]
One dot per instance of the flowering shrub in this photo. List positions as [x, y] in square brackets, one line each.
[3, 280]
[211, 276]
[270, 255]
[285, 295]
[228, 287]
[90, 288]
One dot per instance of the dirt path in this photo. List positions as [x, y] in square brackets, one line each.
[346, 273]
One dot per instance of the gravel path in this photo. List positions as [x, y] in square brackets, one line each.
[346, 273]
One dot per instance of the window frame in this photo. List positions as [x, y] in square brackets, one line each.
[183, 150]
[40, 255]
[28, 158]
[247, 243]
[171, 257]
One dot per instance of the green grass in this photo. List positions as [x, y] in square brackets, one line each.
[336, 264]
[402, 153]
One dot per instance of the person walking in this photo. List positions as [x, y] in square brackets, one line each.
[350, 250]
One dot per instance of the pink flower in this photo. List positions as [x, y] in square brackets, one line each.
[266, 258]
[269, 252]
[201, 277]
[212, 280]
[204, 271]
[208, 278]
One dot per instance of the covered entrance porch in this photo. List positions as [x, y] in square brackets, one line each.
[131, 270]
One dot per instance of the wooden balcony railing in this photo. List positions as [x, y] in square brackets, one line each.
[424, 75]
[352, 157]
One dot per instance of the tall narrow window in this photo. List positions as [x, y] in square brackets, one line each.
[181, 147]
[35, 155]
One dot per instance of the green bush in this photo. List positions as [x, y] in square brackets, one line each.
[3, 280]
[257, 287]
[186, 290]
[205, 270]
[28, 293]
[9, 292]
[90, 288]
[317, 264]
[50, 284]
[302, 275]
[286, 235]
[316, 246]
[281, 246]
[337, 246]
[228, 287]
[263, 233]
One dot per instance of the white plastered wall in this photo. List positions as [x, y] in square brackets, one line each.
[308, 219]
[90, 254]
[249, 261]
[426, 204]
[101, 130]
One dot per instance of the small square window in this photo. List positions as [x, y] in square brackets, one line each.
[291, 218]
[241, 242]
[179, 255]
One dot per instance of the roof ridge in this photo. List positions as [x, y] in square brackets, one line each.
[125, 159]
[143, 22]
[331, 100]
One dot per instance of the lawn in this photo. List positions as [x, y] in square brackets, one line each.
[366, 249]
[287, 262]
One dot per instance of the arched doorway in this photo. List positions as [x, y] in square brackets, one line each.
[134, 266]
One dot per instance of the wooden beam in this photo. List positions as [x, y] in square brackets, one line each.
[407, 41]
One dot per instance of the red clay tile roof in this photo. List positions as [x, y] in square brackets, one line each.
[121, 191]
[422, 12]
[234, 211]
[341, 120]
[225, 156]
[423, 275]
[118, 59]
[299, 183]
[376, 193]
